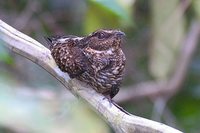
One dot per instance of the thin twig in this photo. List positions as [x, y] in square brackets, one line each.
[36, 52]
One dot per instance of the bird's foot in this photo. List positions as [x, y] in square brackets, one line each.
[116, 105]
[109, 99]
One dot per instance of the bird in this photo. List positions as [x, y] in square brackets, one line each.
[96, 59]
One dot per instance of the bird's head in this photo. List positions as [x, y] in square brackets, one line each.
[104, 39]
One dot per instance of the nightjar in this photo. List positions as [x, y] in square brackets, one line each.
[96, 59]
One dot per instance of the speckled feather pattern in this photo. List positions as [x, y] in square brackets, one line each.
[96, 59]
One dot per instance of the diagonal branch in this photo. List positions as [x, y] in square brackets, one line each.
[36, 52]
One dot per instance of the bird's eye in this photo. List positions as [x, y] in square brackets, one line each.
[101, 35]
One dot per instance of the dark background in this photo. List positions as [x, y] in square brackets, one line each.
[31, 100]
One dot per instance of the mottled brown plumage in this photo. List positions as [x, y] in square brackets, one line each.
[96, 59]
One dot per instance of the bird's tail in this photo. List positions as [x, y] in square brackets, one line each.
[57, 40]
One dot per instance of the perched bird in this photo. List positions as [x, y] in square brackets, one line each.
[96, 59]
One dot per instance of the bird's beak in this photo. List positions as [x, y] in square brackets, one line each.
[120, 34]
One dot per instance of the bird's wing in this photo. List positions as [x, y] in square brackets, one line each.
[69, 59]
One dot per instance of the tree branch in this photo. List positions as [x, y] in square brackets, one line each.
[36, 52]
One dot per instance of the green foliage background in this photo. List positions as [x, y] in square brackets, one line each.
[32, 101]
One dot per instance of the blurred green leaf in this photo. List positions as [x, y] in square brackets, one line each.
[168, 32]
[187, 111]
[196, 6]
[114, 7]
[4, 55]
[106, 14]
